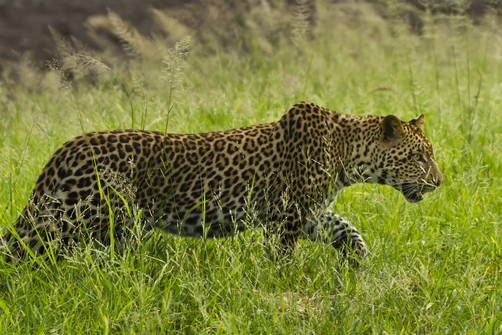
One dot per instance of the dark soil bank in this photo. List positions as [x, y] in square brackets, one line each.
[24, 23]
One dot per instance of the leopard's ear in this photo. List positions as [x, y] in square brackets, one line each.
[392, 131]
[419, 121]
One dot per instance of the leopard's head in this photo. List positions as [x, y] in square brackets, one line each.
[406, 158]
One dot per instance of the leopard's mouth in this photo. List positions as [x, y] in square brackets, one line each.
[411, 193]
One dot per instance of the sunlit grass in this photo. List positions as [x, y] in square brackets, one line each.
[432, 267]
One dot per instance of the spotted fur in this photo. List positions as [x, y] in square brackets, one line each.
[280, 175]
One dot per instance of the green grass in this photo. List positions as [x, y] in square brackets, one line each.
[433, 267]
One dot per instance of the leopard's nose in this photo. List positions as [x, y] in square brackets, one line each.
[438, 180]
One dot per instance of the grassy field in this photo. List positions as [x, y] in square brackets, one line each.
[433, 267]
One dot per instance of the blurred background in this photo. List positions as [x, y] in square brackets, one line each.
[24, 23]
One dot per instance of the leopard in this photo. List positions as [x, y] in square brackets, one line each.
[281, 176]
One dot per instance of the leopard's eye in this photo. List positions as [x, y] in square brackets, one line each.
[419, 157]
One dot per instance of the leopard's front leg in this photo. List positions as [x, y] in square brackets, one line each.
[328, 227]
[284, 227]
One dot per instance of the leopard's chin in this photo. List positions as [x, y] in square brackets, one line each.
[414, 197]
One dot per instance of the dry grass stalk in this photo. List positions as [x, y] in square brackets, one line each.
[300, 21]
